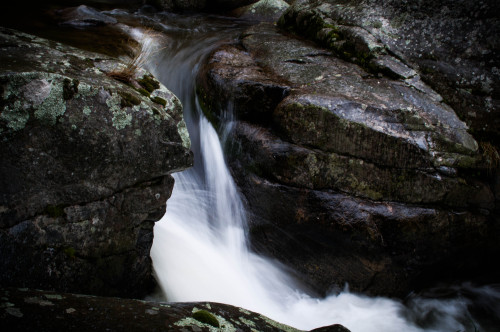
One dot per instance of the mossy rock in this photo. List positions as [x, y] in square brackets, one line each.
[159, 100]
[129, 100]
[144, 92]
[70, 88]
[70, 252]
[206, 317]
[149, 83]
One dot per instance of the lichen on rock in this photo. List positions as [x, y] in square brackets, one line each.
[374, 159]
[83, 160]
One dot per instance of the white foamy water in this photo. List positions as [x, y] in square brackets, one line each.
[200, 254]
[200, 251]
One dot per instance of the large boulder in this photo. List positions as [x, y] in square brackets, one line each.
[453, 45]
[28, 310]
[88, 146]
[350, 175]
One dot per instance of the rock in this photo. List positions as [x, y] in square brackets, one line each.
[449, 43]
[263, 10]
[28, 310]
[241, 84]
[349, 176]
[83, 16]
[85, 167]
[331, 328]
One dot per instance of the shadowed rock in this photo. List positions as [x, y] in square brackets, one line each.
[350, 175]
[85, 167]
[26, 310]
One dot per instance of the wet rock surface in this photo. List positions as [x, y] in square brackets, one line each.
[452, 44]
[351, 175]
[28, 310]
[87, 152]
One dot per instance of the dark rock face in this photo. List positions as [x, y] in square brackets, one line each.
[351, 175]
[199, 5]
[28, 310]
[453, 44]
[85, 164]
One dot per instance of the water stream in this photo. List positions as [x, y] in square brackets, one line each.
[200, 251]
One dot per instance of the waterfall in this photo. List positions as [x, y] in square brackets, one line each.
[200, 251]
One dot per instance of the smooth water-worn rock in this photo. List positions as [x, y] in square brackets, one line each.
[349, 175]
[88, 146]
[28, 310]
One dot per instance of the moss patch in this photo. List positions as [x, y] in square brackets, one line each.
[159, 100]
[70, 88]
[143, 92]
[128, 100]
[70, 252]
[149, 83]
[54, 211]
[206, 317]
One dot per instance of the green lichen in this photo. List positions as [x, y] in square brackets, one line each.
[224, 325]
[87, 110]
[206, 317]
[246, 312]
[363, 188]
[86, 90]
[279, 326]
[39, 92]
[120, 118]
[184, 134]
[312, 163]
[149, 83]
[247, 322]
[53, 106]
[53, 297]
[15, 116]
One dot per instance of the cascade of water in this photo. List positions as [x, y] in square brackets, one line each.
[200, 251]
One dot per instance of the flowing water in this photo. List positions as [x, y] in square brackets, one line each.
[200, 251]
